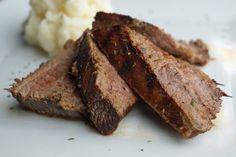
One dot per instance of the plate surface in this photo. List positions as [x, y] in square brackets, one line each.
[24, 134]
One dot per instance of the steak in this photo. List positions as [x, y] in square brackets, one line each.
[182, 95]
[107, 96]
[49, 90]
[194, 52]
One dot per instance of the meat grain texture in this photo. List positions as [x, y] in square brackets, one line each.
[194, 52]
[120, 57]
[49, 90]
[107, 96]
[182, 95]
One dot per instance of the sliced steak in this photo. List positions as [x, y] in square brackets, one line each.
[182, 95]
[106, 95]
[195, 52]
[49, 89]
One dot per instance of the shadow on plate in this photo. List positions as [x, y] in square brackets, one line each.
[159, 123]
[16, 112]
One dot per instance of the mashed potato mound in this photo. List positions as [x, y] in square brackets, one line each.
[52, 22]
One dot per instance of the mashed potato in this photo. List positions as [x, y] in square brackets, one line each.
[52, 22]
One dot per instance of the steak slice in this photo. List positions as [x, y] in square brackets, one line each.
[106, 95]
[49, 89]
[195, 52]
[182, 95]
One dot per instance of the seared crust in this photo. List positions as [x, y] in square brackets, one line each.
[194, 52]
[49, 89]
[106, 95]
[182, 95]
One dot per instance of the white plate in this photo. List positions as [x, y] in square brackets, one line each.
[25, 134]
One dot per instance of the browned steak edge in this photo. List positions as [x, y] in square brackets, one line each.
[195, 51]
[117, 47]
[102, 110]
[45, 106]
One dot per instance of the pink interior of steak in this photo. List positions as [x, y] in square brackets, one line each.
[51, 82]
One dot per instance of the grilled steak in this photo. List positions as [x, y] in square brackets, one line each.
[182, 95]
[195, 52]
[49, 89]
[106, 95]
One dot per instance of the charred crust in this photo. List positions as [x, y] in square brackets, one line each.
[93, 72]
[103, 116]
[131, 48]
[126, 67]
[153, 93]
[194, 52]
[151, 80]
